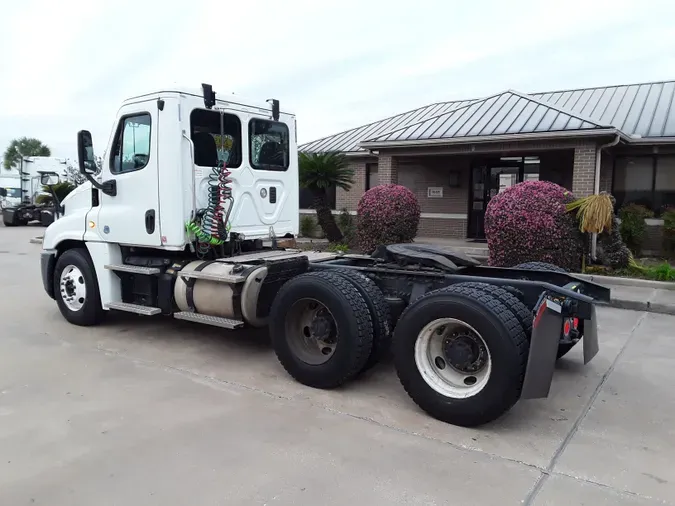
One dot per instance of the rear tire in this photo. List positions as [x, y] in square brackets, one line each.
[541, 266]
[505, 346]
[379, 314]
[325, 312]
[522, 313]
[76, 288]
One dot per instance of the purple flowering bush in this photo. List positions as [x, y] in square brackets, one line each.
[528, 222]
[387, 214]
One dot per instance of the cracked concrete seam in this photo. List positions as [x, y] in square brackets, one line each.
[543, 477]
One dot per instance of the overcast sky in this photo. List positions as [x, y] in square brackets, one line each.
[67, 65]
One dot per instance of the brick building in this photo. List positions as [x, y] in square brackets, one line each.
[456, 155]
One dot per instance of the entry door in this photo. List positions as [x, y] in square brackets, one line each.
[489, 179]
[132, 216]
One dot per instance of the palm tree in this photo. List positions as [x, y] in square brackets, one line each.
[24, 146]
[318, 173]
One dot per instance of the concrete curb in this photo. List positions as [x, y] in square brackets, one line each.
[650, 307]
[640, 283]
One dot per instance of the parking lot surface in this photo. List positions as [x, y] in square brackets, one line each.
[151, 411]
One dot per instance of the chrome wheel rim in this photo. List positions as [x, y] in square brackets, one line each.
[73, 288]
[453, 358]
[311, 331]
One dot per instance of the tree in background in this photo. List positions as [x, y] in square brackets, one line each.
[72, 172]
[23, 146]
[318, 173]
[61, 189]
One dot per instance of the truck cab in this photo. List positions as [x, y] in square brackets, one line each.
[161, 164]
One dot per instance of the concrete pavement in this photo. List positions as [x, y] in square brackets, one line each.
[153, 411]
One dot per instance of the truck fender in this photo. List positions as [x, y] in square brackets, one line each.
[109, 285]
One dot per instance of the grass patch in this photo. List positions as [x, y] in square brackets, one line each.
[645, 269]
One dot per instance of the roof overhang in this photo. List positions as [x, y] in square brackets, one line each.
[652, 140]
[486, 139]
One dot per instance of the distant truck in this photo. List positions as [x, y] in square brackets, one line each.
[10, 189]
[20, 189]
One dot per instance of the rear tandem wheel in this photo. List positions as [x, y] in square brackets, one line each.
[461, 355]
[321, 329]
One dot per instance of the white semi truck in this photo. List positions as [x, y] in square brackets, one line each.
[10, 188]
[179, 223]
[23, 186]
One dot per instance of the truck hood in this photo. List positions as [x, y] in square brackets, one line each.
[73, 195]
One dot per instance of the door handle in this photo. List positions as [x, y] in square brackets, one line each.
[150, 221]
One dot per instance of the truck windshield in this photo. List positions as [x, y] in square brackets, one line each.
[13, 192]
[268, 144]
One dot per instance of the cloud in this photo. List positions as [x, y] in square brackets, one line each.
[337, 64]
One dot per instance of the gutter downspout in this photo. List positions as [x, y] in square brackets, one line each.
[596, 188]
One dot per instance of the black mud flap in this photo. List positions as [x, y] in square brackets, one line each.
[546, 329]
[591, 346]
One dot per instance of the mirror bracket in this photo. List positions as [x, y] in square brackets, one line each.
[108, 187]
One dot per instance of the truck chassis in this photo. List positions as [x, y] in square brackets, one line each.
[468, 340]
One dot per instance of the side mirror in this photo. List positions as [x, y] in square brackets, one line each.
[85, 152]
[3, 192]
[49, 178]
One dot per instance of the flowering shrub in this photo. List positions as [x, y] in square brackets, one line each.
[387, 214]
[529, 222]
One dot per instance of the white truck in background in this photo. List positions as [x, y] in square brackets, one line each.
[10, 188]
[177, 221]
[19, 205]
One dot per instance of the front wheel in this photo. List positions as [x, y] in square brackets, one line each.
[76, 288]
[461, 354]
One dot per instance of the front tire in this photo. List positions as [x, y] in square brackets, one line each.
[76, 288]
[461, 354]
[322, 331]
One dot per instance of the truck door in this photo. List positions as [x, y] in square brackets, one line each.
[131, 217]
[266, 187]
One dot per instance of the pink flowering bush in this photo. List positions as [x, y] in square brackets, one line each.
[387, 214]
[528, 222]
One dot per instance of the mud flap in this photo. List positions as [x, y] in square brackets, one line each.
[590, 338]
[546, 329]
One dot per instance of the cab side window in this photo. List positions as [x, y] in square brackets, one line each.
[269, 145]
[131, 149]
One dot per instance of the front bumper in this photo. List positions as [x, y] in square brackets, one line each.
[9, 215]
[47, 263]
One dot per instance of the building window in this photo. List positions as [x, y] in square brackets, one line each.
[372, 176]
[664, 182]
[645, 180]
[307, 198]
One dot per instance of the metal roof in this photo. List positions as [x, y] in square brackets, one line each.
[348, 141]
[509, 112]
[645, 110]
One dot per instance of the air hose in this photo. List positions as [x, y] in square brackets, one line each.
[211, 224]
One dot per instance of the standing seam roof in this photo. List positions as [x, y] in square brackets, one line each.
[476, 119]
[643, 110]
